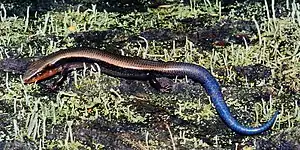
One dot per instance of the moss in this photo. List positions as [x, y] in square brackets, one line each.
[255, 58]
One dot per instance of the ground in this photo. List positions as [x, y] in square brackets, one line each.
[251, 47]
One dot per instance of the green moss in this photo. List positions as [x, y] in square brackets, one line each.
[93, 110]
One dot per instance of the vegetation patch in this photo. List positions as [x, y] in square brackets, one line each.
[251, 47]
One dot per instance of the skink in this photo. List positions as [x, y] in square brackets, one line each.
[132, 67]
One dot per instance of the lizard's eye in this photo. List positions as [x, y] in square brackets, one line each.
[38, 74]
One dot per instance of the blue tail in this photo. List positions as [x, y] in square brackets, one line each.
[213, 90]
[199, 74]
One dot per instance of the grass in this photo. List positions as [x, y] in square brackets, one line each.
[95, 110]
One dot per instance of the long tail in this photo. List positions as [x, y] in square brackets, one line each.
[213, 90]
[200, 74]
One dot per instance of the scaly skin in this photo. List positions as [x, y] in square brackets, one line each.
[136, 68]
